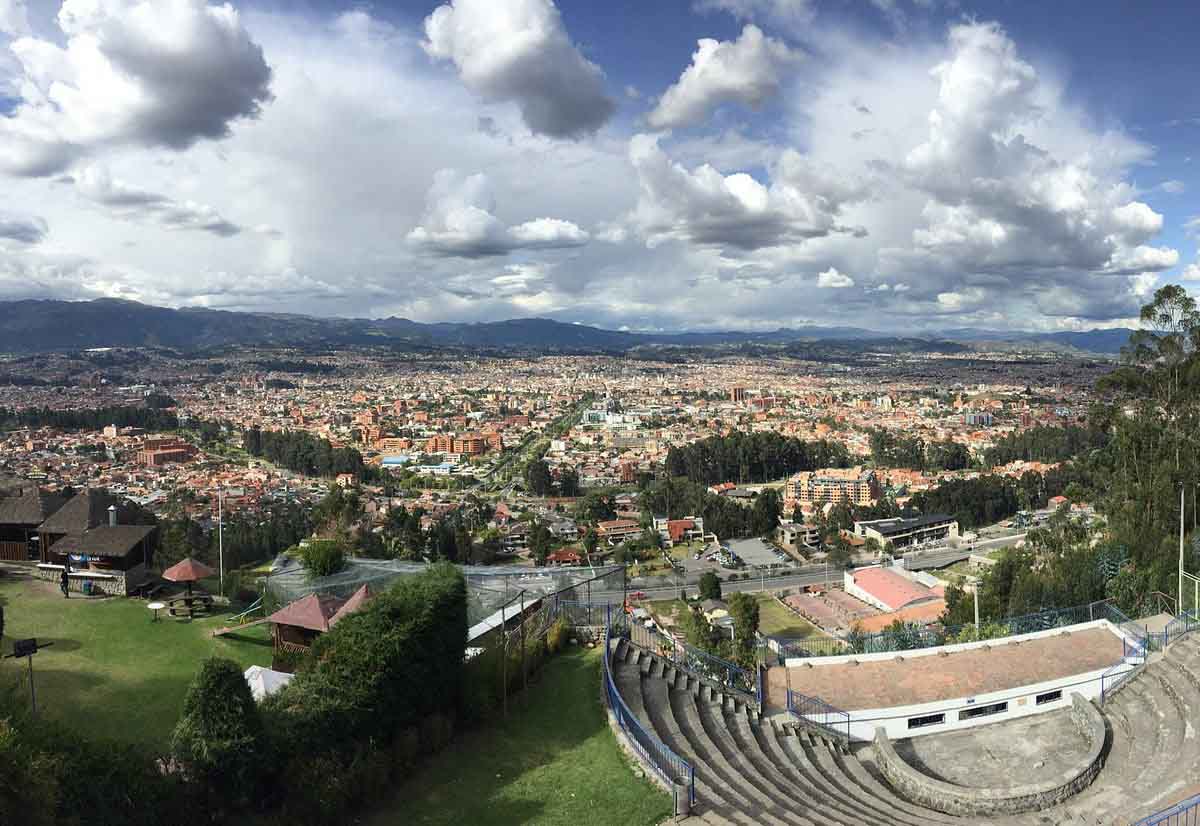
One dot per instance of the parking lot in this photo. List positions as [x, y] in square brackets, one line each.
[756, 553]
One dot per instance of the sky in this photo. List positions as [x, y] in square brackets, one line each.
[900, 165]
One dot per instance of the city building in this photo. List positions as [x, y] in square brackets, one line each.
[853, 486]
[901, 532]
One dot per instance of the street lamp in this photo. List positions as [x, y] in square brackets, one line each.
[27, 648]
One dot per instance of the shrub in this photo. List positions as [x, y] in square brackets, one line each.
[557, 636]
[387, 666]
[219, 739]
[43, 763]
[322, 557]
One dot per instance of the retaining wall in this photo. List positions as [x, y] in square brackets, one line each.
[967, 801]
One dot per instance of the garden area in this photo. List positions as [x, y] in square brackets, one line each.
[777, 620]
[552, 761]
[112, 673]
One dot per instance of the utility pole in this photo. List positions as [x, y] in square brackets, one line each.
[221, 536]
[1179, 604]
[976, 590]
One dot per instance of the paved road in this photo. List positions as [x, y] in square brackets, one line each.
[669, 587]
[942, 557]
[808, 575]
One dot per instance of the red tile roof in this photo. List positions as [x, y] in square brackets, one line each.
[890, 588]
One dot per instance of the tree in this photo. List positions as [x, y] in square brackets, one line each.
[540, 542]
[322, 557]
[568, 483]
[463, 545]
[710, 586]
[219, 738]
[839, 552]
[744, 610]
[590, 542]
[537, 478]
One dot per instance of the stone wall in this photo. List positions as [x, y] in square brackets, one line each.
[111, 583]
[967, 801]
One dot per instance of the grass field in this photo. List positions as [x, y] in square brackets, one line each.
[112, 673]
[553, 761]
[775, 620]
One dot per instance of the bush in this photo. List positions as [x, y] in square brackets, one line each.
[385, 667]
[52, 776]
[322, 557]
[557, 636]
[219, 739]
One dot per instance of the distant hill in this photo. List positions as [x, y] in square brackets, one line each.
[46, 326]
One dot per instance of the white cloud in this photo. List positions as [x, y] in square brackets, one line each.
[458, 221]
[1173, 187]
[831, 279]
[787, 14]
[1191, 272]
[747, 70]
[22, 229]
[96, 184]
[705, 207]
[518, 50]
[14, 18]
[152, 74]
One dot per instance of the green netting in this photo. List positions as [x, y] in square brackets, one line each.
[489, 588]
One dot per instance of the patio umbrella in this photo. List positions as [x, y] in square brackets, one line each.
[187, 571]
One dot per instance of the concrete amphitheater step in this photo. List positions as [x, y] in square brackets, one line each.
[824, 758]
[1182, 765]
[805, 776]
[760, 738]
[741, 785]
[757, 773]
[876, 788]
[724, 802]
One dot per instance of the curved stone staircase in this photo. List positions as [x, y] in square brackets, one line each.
[752, 770]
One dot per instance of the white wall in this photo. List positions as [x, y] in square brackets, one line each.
[1021, 700]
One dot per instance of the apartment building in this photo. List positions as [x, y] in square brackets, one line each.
[854, 486]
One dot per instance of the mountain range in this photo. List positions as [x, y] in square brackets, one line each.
[33, 326]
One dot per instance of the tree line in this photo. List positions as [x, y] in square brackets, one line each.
[1046, 444]
[751, 457]
[727, 518]
[302, 452]
[146, 418]
[891, 450]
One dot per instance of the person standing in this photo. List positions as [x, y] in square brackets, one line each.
[64, 582]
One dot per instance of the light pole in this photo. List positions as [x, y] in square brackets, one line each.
[221, 537]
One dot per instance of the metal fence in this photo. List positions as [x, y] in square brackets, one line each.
[815, 711]
[726, 674]
[670, 766]
[910, 637]
[1182, 624]
[1186, 813]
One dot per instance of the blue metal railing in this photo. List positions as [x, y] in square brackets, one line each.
[670, 766]
[816, 711]
[1186, 813]
[1182, 624]
[726, 674]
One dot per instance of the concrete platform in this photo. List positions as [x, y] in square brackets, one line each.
[1002, 755]
[912, 680]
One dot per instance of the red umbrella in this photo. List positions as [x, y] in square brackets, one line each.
[188, 571]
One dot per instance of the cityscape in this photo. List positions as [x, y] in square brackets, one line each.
[714, 411]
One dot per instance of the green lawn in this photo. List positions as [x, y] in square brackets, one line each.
[111, 672]
[775, 620]
[553, 761]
